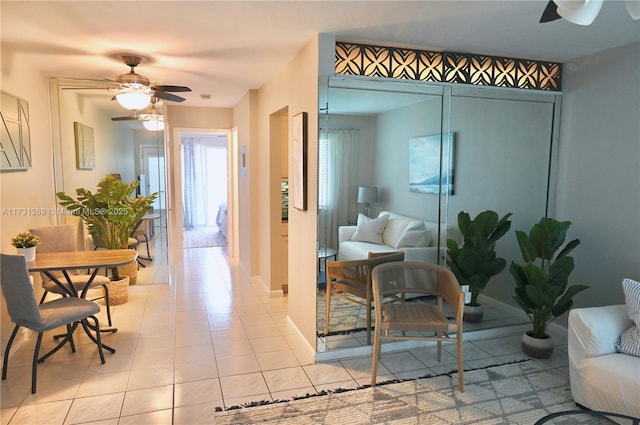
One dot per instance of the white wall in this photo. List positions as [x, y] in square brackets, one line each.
[599, 171]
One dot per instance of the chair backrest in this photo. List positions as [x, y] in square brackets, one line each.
[359, 271]
[417, 278]
[18, 292]
[61, 238]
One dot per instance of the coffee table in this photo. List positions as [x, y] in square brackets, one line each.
[323, 255]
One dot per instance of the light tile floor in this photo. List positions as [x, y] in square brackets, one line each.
[210, 341]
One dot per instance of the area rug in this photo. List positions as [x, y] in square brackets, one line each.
[518, 393]
[203, 237]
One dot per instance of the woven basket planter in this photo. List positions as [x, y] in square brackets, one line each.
[130, 270]
[119, 291]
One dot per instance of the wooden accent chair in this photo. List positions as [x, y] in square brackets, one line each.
[427, 321]
[354, 278]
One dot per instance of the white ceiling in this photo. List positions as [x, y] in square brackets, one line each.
[224, 48]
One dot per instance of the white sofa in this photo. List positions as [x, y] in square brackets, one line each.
[601, 378]
[425, 251]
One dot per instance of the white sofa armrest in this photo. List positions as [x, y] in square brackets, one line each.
[593, 330]
[345, 233]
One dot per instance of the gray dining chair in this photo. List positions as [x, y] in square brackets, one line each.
[25, 312]
[62, 238]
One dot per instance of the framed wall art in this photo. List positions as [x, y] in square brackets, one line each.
[15, 134]
[85, 151]
[425, 166]
[298, 191]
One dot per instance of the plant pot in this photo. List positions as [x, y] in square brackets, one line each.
[29, 253]
[539, 348]
[472, 313]
[130, 270]
[119, 291]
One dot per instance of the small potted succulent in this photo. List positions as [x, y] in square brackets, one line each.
[25, 244]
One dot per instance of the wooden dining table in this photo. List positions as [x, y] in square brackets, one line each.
[51, 262]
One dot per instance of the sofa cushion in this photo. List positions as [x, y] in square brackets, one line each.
[415, 234]
[395, 227]
[629, 342]
[631, 290]
[370, 229]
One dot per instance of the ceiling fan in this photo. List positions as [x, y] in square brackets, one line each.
[135, 91]
[582, 12]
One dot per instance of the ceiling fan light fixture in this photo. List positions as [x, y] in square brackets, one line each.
[133, 100]
[155, 123]
[580, 12]
[633, 7]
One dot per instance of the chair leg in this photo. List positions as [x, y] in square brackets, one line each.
[369, 322]
[5, 362]
[34, 366]
[44, 295]
[327, 308]
[96, 329]
[376, 356]
[106, 300]
[460, 363]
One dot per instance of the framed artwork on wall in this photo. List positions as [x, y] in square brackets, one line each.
[425, 164]
[85, 152]
[15, 133]
[299, 182]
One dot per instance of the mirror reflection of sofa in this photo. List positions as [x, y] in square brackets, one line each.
[390, 232]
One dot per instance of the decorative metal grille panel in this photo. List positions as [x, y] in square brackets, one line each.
[446, 67]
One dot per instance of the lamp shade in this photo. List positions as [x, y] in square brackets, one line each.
[133, 100]
[367, 194]
[155, 123]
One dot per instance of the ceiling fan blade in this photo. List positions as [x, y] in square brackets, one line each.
[550, 13]
[168, 96]
[129, 118]
[171, 88]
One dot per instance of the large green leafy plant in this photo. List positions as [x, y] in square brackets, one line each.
[112, 212]
[475, 262]
[542, 289]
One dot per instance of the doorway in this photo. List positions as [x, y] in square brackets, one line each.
[204, 189]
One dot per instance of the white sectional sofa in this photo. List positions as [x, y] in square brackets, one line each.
[420, 246]
[601, 378]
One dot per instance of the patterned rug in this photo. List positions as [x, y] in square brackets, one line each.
[518, 393]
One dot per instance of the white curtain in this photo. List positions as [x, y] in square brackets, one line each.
[204, 182]
[338, 175]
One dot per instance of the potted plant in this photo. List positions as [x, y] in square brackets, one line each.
[110, 214]
[25, 244]
[542, 289]
[475, 262]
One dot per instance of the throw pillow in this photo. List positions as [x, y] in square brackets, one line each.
[412, 235]
[631, 290]
[370, 229]
[629, 342]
